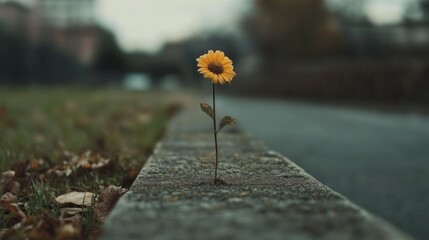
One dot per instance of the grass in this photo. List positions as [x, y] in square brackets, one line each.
[40, 129]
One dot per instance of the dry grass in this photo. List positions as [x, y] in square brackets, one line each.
[46, 132]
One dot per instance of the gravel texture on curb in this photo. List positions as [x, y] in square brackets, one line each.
[263, 196]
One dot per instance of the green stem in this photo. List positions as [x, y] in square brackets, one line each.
[215, 131]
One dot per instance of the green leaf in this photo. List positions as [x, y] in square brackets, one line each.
[227, 120]
[207, 109]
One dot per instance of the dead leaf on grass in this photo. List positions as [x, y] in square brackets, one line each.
[88, 161]
[75, 220]
[21, 227]
[106, 200]
[68, 232]
[101, 163]
[70, 212]
[52, 228]
[74, 162]
[45, 229]
[8, 233]
[13, 187]
[27, 221]
[77, 198]
[5, 178]
[133, 172]
[20, 168]
[34, 164]
[14, 209]
[7, 198]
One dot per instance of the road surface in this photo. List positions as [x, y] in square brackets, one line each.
[378, 160]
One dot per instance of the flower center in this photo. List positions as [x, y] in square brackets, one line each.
[215, 67]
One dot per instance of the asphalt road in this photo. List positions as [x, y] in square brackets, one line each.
[378, 160]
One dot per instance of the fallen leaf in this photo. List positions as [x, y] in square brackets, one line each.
[66, 172]
[69, 212]
[68, 232]
[100, 164]
[11, 213]
[8, 233]
[8, 198]
[13, 187]
[15, 210]
[51, 228]
[5, 178]
[106, 200]
[133, 172]
[34, 164]
[75, 220]
[23, 226]
[86, 161]
[70, 227]
[45, 229]
[77, 198]
[20, 169]
[27, 221]
[8, 174]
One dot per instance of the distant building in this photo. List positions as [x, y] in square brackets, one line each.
[67, 13]
[68, 25]
[13, 17]
[370, 40]
[370, 32]
[81, 42]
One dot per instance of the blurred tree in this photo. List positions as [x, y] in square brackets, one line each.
[22, 62]
[110, 58]
[12, 58]
[50, 66]
[303, 52]
[293, 28]
[424, 4]
[348, 11]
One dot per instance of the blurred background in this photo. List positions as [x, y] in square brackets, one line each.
[372, 51]
[339, 86]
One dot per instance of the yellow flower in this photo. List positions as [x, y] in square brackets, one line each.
[216, 66]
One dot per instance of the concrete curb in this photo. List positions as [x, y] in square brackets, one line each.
[266, 196]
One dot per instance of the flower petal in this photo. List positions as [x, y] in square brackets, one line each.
[228, 76]
[210, 55]
[202, 65]
[201, 60]
[221, 79]
[221, 56]
[226, 60]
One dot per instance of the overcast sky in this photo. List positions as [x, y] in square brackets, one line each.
[379, 12]
[148, 24]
